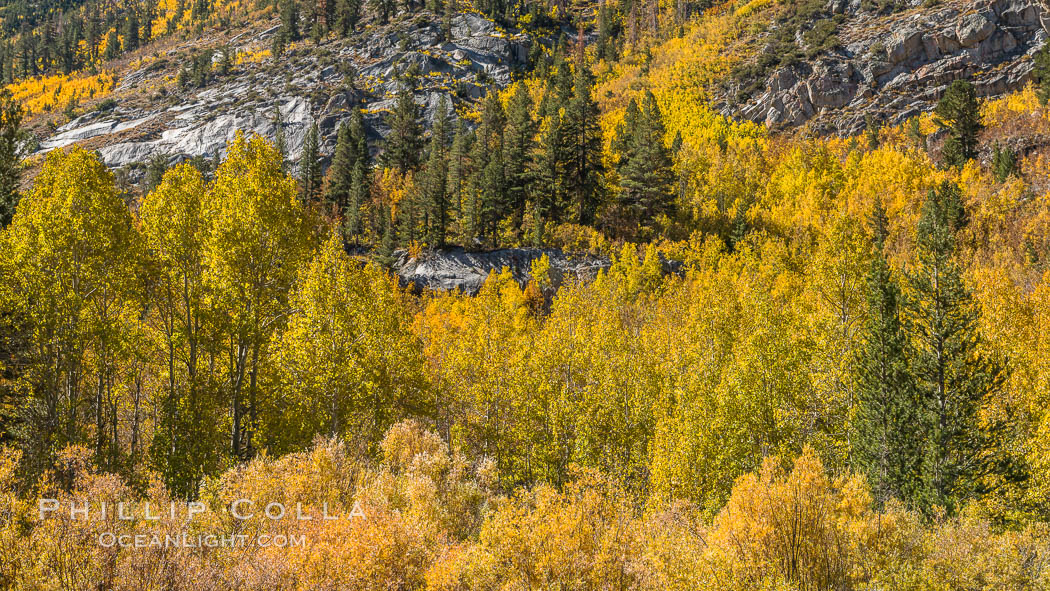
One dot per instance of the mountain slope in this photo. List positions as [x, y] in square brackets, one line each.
[856, 59]
[151, 115]
[834, 67]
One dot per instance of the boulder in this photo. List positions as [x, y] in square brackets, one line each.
[904, 46]
[973, 29]
[1017, 14]
[831, 86]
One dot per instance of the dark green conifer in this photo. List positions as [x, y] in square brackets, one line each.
[458, 166]
[435, 179]
[584, 144]
[12, 149]
[341, 170]
[487, 183]
[959, 112]
[1004, 162]
[953, 373]
[518, 153]
[552, 162]
[646, 167]
[405, 141]
[888, 425]
[289, 30]
[310, 166]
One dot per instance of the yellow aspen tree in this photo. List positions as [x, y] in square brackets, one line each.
[74, 285]
[347, 363]
[835, 305]
[174, 220]
[256, 240]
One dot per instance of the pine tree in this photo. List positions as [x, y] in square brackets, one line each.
[487, 184]
[585, 146]
[112, 48]
[1004, 162]
[563, 81]
[953, 374]
[200, 10]
[606, 43]
[200, 68]
[7, 72]
[356, 197]
[48, 43]
[959, 112]
[12, 150]
[888, 427]
[359, 137]
[347, 16]
[622, 142]
[383, 9]
[647, 171]
[155, 169]
[552, 163]
[458, 167]
[385, 255]
[409, 213]
[446, 20]
[341, 172]
[289, 32]
[741, 225]
[470, 214]
[360, 181]
[92, 32]
[148, 17]
[555, 151]
[310, 167]
[319, 21]
[405, 141]
[435, 179]
[871, 131]
[226, 62]
[519, 150]
[915, 134]
[131, 31]
[278, 44]
[67, 48]
[536, 227]
[316, 32]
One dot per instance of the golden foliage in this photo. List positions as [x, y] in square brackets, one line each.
[50, 93]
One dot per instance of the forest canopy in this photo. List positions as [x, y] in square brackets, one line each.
[805, 363]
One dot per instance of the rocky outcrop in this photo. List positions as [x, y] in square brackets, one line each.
[465, 271]
[310, 83]
[460, 270]
[892, 67]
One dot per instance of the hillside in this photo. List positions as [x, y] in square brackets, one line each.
[881, 61]
[834, 67]
[635, 295]
[147, 114]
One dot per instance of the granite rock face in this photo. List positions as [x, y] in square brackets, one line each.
[465, 271]
[457, 269]
[892, 67]
[308, 84]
